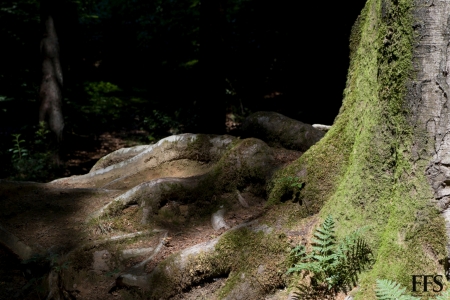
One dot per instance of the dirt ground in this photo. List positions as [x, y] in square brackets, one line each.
[43, 215]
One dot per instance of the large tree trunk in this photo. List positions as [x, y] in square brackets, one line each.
[50, 92]
[385, 161]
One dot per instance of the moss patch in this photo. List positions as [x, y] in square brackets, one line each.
[362, 171]
[258, 255]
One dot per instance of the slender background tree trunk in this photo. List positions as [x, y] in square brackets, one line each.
[50, 93]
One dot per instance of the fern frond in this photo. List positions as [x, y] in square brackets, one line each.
[298, 251]
[313, 267]
[324, 242]
[390, 290]
[322, 246]
[444, 296]
[327, 227]
[333, 267]
[307, 292]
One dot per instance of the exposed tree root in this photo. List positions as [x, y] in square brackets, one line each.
[278, 130]
[139, 268]
[55, 291]
[148, 193]
[198, 148]
[181, 265]
[14, 244]
[119, 156]
[202, 173]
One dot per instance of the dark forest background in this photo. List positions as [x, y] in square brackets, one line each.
[142, 70]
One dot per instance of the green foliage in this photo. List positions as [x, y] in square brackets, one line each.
[161, 123]
[96, 89]
[391, 290]
[112, 273]
[18, 152]
[37, 163]
[58, 263]
[387, 290]
[295, 183]
[444, 296]
[290, 188]
[103, 101]
[333, 267]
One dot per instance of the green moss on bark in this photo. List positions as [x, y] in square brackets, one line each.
[258, 255]
[362, 171]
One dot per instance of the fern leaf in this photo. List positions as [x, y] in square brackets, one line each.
[390, 290]
[309, 293]
[298, 252]
[333, 267]
[444, 296]
[313, 267]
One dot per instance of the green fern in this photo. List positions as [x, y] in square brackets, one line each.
[391, 290]
[335, 267]
[444, 296]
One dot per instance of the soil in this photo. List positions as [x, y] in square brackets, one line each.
[44, 214]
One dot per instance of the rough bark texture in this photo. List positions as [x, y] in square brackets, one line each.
[50, 93]
[428, 97]
[382, 164]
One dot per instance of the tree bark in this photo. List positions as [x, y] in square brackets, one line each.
[50, 92]
[385, 162]
[428, 97]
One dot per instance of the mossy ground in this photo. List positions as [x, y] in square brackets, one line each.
[253, 255]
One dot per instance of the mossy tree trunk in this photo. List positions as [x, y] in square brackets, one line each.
[385, 161]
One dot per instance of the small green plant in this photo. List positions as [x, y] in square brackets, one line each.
[112, 273]
[293, 182]
[36, 164]
[104, 102]
[159, 124]
[42, 135]
[292, 187]
[332, 267]
[18, 151]
[58, 263]
[391, 290]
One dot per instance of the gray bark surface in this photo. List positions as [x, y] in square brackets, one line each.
[50, 93]
[428, 97]
[280, 131]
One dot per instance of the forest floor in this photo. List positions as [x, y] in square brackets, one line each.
[84, 152]
[46, 217]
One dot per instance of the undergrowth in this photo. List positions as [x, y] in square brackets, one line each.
[33, 158]
[332, 267]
